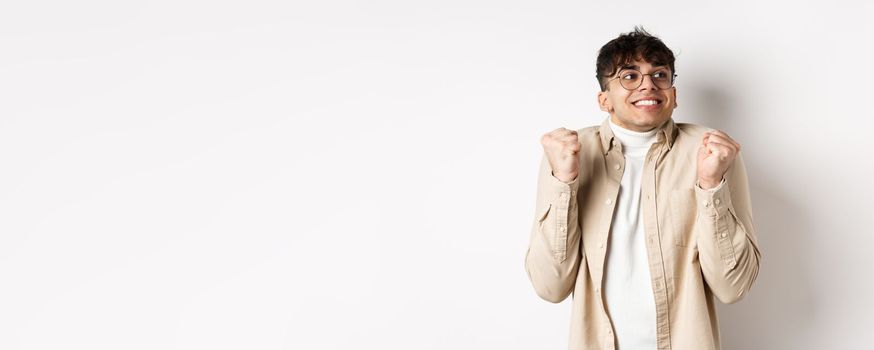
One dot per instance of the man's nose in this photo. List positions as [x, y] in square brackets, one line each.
[647, 83]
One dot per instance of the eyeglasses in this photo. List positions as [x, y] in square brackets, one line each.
[631, 79]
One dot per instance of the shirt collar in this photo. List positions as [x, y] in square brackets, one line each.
[667, 131]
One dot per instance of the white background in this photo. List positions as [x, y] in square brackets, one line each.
[361, 175]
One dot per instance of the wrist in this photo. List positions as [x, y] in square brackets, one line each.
[708, 183]
[566, 178]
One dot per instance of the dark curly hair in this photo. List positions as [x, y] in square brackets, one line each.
[636, 45]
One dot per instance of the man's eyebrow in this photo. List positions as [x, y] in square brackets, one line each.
[635, 67]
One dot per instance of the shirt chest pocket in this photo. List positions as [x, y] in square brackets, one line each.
[682, 215]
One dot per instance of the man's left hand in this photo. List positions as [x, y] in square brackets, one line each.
[715, 154]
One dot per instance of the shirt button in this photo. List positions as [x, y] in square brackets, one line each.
[717, 201]
[601, 245]
[724, 235]
[706, 204]
[732, 264]
[563, 229]
[573, 192]
[608, 202]
[616, 167]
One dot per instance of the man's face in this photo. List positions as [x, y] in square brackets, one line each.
[634, 109]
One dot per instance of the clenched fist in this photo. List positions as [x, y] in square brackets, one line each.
[715, 154]
[561, 147]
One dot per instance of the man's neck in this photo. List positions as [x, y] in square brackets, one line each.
[631, 138]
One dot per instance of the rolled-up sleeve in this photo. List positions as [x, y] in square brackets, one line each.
[727, 244]
[553, 254]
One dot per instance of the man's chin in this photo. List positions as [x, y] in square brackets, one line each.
[650, 122]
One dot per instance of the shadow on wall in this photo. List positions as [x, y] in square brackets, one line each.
[780, 305]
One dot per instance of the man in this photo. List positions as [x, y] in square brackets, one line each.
[643, 220]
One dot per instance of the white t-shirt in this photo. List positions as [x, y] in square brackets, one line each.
[627, 285]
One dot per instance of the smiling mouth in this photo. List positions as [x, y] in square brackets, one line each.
[647, 102]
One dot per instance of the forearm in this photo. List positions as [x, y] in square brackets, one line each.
[553, 255]
[727, 244]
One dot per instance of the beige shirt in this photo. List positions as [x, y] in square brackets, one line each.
[700, 244]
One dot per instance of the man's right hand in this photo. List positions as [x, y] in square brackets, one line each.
[562, 148]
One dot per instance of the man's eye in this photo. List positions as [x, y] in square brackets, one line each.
[660, 75]
[630, 76]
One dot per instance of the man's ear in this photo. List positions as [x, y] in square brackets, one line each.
[604, 103]
[675, 96]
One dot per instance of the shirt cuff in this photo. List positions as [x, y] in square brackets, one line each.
[713, 202]
[572, 183]
[698, 185]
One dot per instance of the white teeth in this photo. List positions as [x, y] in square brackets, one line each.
[645, 103]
